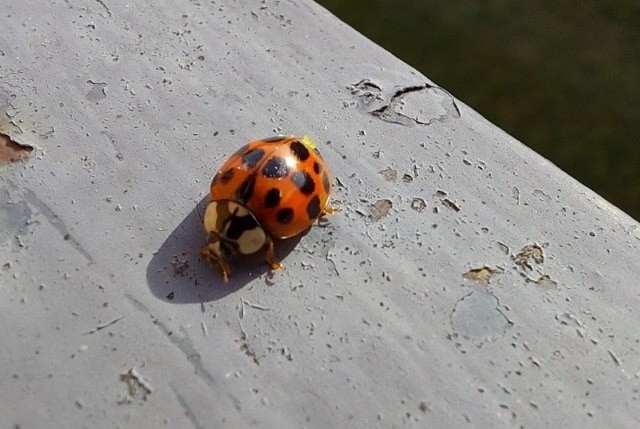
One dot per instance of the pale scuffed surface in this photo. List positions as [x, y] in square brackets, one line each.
[412, 306]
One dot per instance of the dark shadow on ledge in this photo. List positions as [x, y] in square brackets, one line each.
[178, 274]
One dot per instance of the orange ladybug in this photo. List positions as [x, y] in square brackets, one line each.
[273, 188]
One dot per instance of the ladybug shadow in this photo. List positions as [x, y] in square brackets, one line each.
[178, 274]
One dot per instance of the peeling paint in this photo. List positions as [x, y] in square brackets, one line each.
[532, 253]
[11, 150]
[421, 104]
[389, 174]
[482, 274]
[380, 209]
[477, 316]
[97, 92]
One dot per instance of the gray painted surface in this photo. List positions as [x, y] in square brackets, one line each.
[132, 106]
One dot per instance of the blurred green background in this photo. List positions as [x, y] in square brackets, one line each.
[563, 77]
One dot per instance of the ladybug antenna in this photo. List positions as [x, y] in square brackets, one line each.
[309, 142]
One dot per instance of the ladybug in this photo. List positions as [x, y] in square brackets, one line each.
[273, 188]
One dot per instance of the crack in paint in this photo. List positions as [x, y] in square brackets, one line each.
[103, 4]
[184, 344]
[187, 409]
[56, 222]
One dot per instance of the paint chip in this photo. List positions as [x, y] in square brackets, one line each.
[11, 150]
[483, 274]
[389, 174]
[531, 253]
[380, 209]
[418, 204]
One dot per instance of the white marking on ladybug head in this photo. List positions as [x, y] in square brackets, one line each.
[237, 209]
[251, 240]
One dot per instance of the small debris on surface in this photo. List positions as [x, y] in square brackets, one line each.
[256, 306]
[503, 247]
[515, 193]
[380, 209]
[450, 204]
[244, 302]
[614, 357]
[179, 267]
[286, 353]
[11, 150]
[247, 349]
[137, 386]
[103, 326]
[483, 274]
[204, 329]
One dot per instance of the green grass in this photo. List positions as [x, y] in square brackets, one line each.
[561, 76]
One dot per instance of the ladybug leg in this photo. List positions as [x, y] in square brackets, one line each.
[271, 256]
[329, 210]
[212, 257]
[225, 269]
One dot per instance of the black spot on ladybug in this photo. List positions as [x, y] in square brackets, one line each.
[317, 168]
[299, 150]
[245, 190]
[276, 168]
[252, 158]
[272, 198]
[313, 208]
[274, 139]
[225, 177]
[325, 183]
[285, 215]
[304, 182]
[240, 224]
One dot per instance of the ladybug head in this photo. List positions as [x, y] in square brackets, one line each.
[232, 229]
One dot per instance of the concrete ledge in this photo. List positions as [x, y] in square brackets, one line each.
[466, 282]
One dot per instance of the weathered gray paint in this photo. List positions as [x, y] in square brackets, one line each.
[133, 105]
